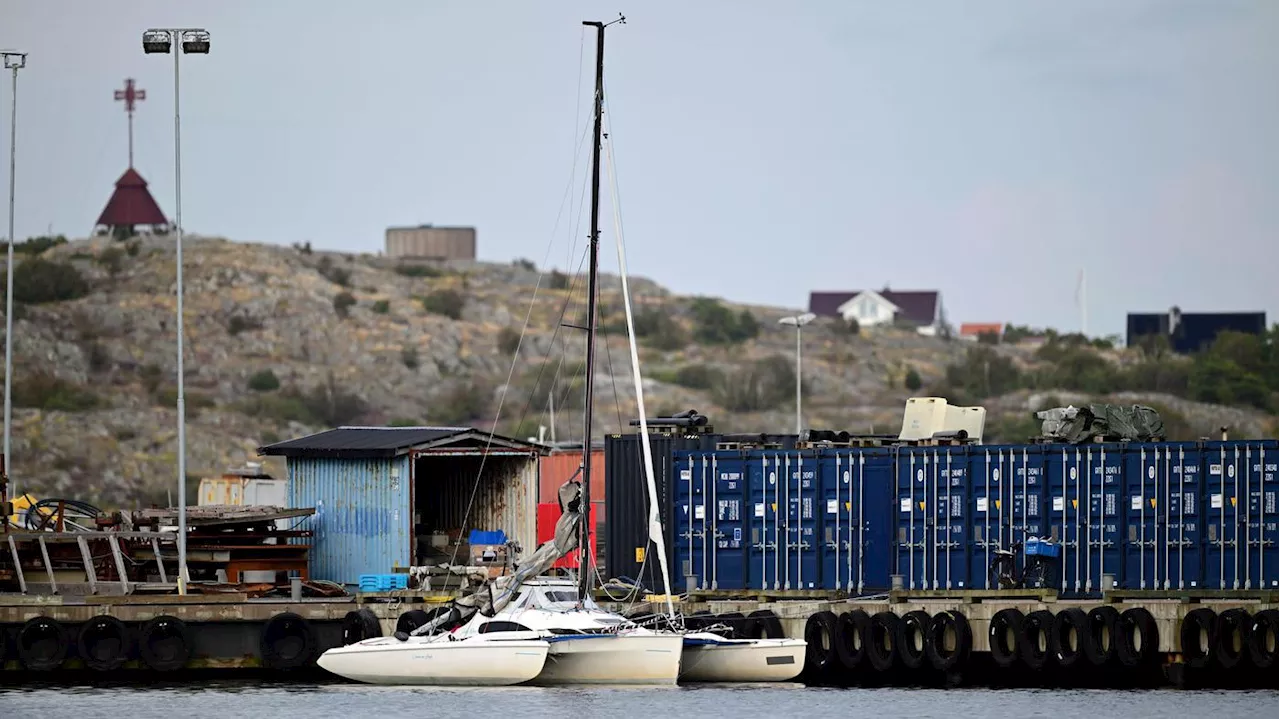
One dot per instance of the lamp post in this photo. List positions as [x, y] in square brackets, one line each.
[799, 321]
[13, 60]
[194, 41]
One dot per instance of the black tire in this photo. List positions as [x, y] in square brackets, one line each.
[1197, 637]
[1033, 641]
[851, 639]
[882, 641]
[165, 643]
[104, 643]
[820, 634]
[411, 620]
[1231, 645]
[912, 637]
[1002, 636]
[287, 641]
[1100, 641]
[1264, 634]
[698, 621]
[1070, 633]
[360, 625]
[949, 641]
[737, 624]
[42, 644]
[1137, 638]
[766, 623]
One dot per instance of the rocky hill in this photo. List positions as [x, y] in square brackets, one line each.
[281, 342]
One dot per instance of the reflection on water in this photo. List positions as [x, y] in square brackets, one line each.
[317, 699]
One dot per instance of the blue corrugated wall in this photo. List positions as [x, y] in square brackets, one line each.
[363, 518]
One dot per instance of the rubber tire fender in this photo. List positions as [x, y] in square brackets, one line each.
[1002, 636]
[912, 638]
[411, 620]
[820, 658]
[1065, 623]
[765, 621]
[360, 625]
[168, 657]
[1137, 623]
[1035, 625]
[1264, 624]
[942, 624]
[851, 638]
[91, 636]
[1197, 623]
[1100, 641]
[882, 641]
[276, 649]
[42, 629]
[1231, 624]
[737, 624]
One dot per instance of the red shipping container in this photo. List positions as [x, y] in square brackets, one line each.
[556, 468]
[548, 515]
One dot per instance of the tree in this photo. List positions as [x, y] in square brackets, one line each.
[912, 380]
[264, 381]
[342, 303]
[38, 281]
[444, 302]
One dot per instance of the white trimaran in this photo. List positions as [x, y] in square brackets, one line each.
[527, 628]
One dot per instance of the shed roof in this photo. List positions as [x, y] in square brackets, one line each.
[366, 442]
[131, 203]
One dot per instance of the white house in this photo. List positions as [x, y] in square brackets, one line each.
[871, 308]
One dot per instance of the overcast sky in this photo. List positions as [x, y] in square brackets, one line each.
[989, 150]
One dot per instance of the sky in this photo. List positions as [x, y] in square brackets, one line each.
[988, 150]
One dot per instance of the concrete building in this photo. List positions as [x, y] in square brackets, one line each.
[431, 243]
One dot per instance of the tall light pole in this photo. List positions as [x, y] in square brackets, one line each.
[195, 41]
[13, 60]
[799, 321]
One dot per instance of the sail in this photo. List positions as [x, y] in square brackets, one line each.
[656, 534]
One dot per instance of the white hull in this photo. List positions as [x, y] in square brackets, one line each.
[613, 659]
[743, 660]
[475, 662]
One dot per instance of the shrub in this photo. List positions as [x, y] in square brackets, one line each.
[132, 248]
[508, 340]
[912, 380]
[988, 338]
[526, 265]
[444, 302]
[112, 259]
[558, 280]
[408, 270]
[409, 356]
[697, 376]
[96, 356]
[167, 396]
[852, 327]
[240, 323]
[762, 385]
[264, 381]
[337, 275]
[462, 404]
[717, 324]
[332, 405]
[38, 280]
[381, 307]
[151, 376]
[659, 330]
[44, 390]
[342, 304]
[37, 245]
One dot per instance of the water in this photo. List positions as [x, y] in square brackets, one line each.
[263, 701]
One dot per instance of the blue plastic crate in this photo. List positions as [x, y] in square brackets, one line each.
[383, 582]
[496, 536]
[1041, 548]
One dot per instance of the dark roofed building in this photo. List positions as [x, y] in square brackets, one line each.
[1193, 331]
[131, 206]
[919, 309]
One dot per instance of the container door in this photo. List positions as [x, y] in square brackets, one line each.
[952, 464]
[764, 469]
[801, 522]
[1103, 549]
[989, 511]
[1225, 544]
[691, 548]
[1182, 520]
[913, 507]
[728, 496]
[1142, 569]
[1266, 526]
[836, 475]
[873, 507]
[1067, 500]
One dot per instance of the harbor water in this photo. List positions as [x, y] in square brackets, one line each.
[255, 699]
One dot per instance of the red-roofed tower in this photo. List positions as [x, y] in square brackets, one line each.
[131, 205]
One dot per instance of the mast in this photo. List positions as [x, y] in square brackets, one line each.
[584, 544]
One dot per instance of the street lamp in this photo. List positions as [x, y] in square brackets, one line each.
[799, 321]
[194, 41]
[13, 60]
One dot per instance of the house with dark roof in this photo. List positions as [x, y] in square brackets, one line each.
[915, 308]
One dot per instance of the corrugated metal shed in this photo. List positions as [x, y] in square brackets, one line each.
[379, 492]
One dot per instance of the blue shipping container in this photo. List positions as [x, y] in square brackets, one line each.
[1240, 515]
[1007, 485]
[856, 522]
[1263, 463]
[1163, 547]
[933, 515]
[710, 497]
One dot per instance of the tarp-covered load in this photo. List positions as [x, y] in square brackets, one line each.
[1111, 422]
